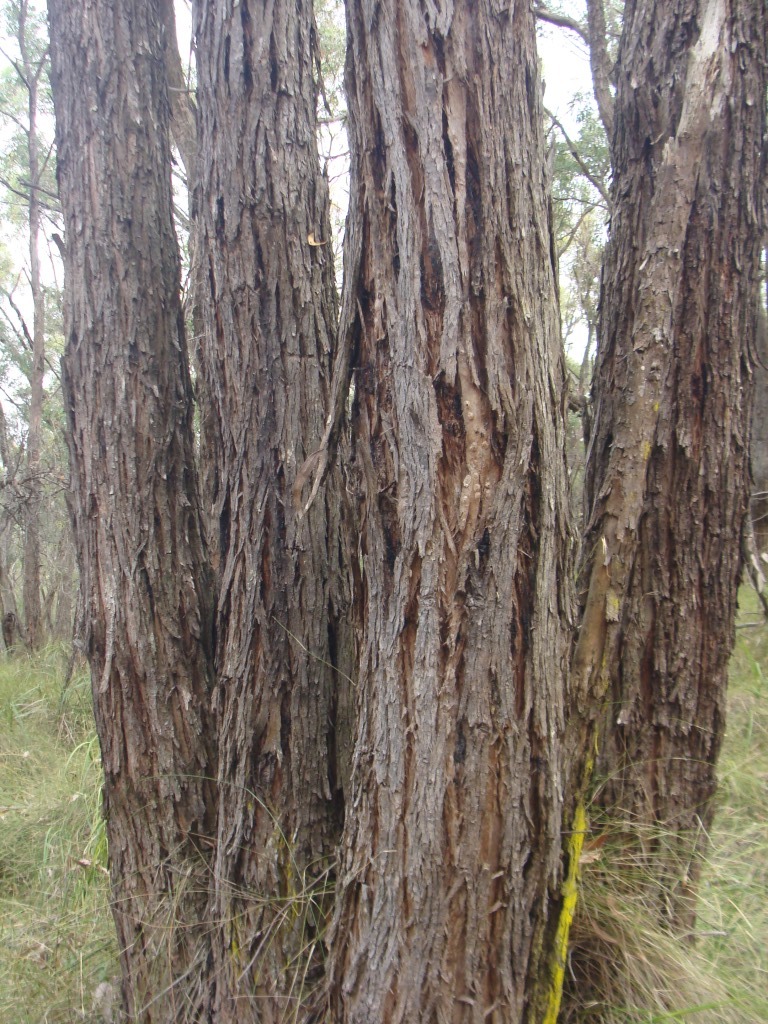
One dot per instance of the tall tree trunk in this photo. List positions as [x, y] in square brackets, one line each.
[141, 557]
[32, 610]
[270, 316]
[667, 472]
[7, 594]
[451, 857]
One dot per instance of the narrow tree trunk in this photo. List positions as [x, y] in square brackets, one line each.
[142, 563]
[63, 624]
[667, 473]
[32, 609]
[7, 594]
[270, 318]
[453, 834]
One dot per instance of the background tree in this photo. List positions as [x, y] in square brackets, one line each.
[145, 584]
[31, 68]
[30, 310]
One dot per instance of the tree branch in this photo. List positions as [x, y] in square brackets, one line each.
[25, 336]
[591, 178]
[183, 121]
[588, 208]
[561, 21]
[600, 63]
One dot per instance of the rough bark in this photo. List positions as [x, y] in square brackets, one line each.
[283, 651]
[667, 470]
[146, 592]
[451, 855]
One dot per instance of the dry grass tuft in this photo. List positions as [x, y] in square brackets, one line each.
[627, 969]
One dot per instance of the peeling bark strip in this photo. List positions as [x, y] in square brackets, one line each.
[137, 522]
[453, 834]
[667, 474]
[269, 305]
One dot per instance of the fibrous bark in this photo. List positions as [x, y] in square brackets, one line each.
[142, 565]
[667, 471]
[451, 855]
[282, 645]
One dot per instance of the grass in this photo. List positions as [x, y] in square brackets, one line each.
[56, 940]
[632, 971]
[733, 915]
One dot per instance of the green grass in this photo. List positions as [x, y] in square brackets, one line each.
[56, 940]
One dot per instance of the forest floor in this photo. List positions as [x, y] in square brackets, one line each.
[58, 955]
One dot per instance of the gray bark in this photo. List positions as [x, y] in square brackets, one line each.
[667, 470]
[283, 650]
[146, 591]
[451, 854]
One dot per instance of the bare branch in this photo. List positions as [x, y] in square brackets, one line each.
[588, 208]
[561, 21]
[183, 122]
[600, 64]
[12, 117]
[591, 178]
[25, 336]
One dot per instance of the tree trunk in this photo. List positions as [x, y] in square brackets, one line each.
[63, 624]
[667, 473]
[283, 649]
[31, 589]
[7, 594]
[451, 855]
[146, 590]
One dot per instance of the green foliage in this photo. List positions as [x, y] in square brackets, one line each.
[580, 173]
[332, 38]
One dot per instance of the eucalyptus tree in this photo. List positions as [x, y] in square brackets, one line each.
[667, 470]
[452, 850]
[145, 579]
